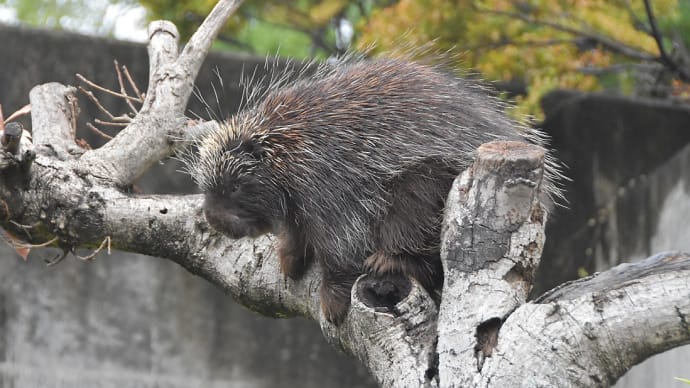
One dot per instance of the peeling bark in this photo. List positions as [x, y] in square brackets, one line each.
[483, 333]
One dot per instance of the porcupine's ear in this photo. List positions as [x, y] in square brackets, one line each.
[253, 147]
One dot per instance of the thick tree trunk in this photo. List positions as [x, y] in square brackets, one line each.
[484, 332]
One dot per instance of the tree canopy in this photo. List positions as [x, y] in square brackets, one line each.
[541, 44]
[633, 47]
[547, 44]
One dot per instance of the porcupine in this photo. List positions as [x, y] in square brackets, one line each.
[351, 167]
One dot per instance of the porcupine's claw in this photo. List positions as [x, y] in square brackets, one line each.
[335, 300]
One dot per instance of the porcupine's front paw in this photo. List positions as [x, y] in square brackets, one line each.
[294, 261]
[335, 301]
[292, 266]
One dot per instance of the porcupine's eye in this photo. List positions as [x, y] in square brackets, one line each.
[232, 189]
[253, 149]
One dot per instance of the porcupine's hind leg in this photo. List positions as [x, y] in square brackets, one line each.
[407, 239]
[336, 285]
[425, 267]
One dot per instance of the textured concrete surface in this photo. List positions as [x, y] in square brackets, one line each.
[667, 194]
[134, 321]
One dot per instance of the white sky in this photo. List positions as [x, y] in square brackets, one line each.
[129, 22]
[7, 14]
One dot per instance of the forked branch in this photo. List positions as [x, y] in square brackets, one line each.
[153, 133]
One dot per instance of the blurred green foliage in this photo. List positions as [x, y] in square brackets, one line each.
[541, 44]
[547, 44]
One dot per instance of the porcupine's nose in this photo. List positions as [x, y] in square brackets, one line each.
[220, 218]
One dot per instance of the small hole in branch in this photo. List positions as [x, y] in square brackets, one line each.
[487, 339]
[383, 292]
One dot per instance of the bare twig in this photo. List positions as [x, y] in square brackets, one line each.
[231, 40]
[58, 258]
[105, 90]
[637, 22]
[29, 246]
[655, 31]
[94, 253]
[104, 110]
[664, 58]
[110, 123]
[25, 110]
[121, 121]
[527, 43]
[133, 84]
[98, 131]
[617, 68]
[23, 227]
[122, 87]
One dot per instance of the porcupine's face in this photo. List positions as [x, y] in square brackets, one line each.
[241, 199]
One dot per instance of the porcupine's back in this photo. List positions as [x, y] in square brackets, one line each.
[339, 137]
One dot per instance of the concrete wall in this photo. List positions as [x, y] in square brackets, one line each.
[667, 195]
[610, 145]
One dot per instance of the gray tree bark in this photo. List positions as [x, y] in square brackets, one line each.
[485, 332]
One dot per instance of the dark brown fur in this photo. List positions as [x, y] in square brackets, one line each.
[351, 168]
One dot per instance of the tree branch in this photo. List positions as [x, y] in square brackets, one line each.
[492, 240]
[161, 119]
[590, 332]
[82, 212]
[664, 58]
[516, 43]
[54, 129]
[197, 48]
[148, 135]
[398, 346]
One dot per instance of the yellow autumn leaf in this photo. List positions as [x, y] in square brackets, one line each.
[323, 12]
